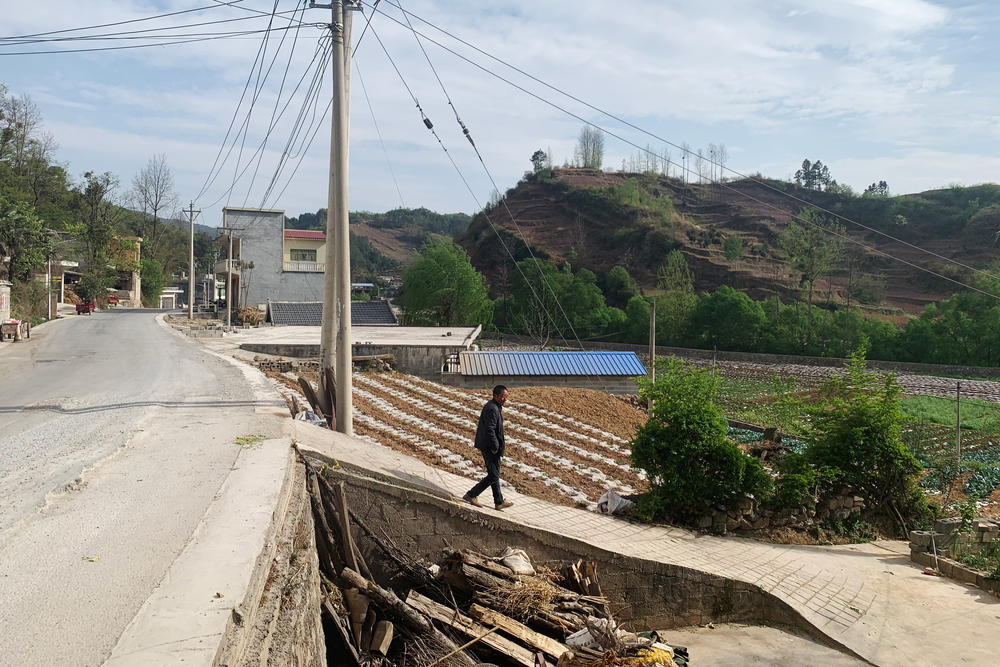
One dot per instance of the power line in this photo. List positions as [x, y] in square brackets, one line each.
[108, 25]
[381, 142]
[430, 126]
[646, 150]
[503, 200]
[142, 46]
[140, 34]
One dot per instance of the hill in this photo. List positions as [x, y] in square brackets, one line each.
[596, 220]
[389, 240]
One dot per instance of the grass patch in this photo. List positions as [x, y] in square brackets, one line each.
[250, 440]
[773, 401]
[977, 415]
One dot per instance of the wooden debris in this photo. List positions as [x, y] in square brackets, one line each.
[517, 630]
[466, 626]
[381, 637]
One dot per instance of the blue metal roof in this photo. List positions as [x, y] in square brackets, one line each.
[550, 363]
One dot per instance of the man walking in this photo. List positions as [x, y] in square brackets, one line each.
[489, 440]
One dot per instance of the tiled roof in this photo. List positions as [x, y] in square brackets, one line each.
[305, 234]
[550, 363]
[310, 313]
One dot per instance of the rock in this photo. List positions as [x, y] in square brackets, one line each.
[760, 523]
[704, 522]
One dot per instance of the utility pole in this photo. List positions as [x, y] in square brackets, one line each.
[226, 229]
[652, 340]
[191, 213]
[335, 341]
[958, 420]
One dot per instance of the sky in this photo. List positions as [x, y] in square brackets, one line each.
[897, 90]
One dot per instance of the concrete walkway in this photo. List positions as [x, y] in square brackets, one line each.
[868, 598]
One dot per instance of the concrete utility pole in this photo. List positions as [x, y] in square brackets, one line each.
[335, 342]
[191, 213]
[652, 340]
[958, 419]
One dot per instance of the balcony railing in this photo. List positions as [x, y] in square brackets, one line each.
[310, 267]
[222, 266]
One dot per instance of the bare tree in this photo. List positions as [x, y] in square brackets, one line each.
[589, 151]
[153, 193]
[685, 160]
[723, 158]
[20, 119]
[699, 165]
[38, 171]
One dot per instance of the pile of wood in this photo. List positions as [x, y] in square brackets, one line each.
[463, 611]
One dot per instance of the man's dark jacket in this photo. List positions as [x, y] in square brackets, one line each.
[489, 433]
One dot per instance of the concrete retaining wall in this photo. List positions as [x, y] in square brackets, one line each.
[650, 594]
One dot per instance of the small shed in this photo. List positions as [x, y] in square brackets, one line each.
[614, 372]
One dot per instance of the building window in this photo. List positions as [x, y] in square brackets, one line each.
[303, 255]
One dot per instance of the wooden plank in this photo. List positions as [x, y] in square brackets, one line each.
[470, 628]
[517, 630]
[382, 637]
[342, 633]
[350, 555]
[310, 394]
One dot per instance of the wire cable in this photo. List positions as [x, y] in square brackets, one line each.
[381, 142]
[503, 200]
[680, 166]
[430, 126]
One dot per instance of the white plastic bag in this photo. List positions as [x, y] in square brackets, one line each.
[517, 560]
[612, 503]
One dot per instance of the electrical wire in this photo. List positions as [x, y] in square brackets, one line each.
[381, 142]
[682, 167]
[141, 46]
[503, 200]
[108, 25]
[430, 126]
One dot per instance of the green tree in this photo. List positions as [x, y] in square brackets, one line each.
[22, 239]
[690, 465]
[733, 247]
[811, 243]
[619, 287]
[95, 215]
[535, 296]
[856, 432]
[538, 159]
[151, 281]
[441, 288]
[677, 301]
[727, 319]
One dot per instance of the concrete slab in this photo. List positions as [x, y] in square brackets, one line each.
[418, 336]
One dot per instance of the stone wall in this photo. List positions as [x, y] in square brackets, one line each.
[747, 517]
[939, 549]
[649, 594]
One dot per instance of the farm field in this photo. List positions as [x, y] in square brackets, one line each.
[566, 446]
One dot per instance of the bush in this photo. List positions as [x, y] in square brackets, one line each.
[27, 301]
[857, 429]
[683, 449]
[800, 481]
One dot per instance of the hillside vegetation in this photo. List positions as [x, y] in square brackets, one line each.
[729, 234]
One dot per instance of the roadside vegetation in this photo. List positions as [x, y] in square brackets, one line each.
[852, 431]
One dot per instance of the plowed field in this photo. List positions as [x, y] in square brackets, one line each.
[567, 446]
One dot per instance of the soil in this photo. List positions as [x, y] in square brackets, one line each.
[589, 406]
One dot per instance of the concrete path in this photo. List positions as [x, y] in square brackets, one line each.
[869, 598]
[117, 454]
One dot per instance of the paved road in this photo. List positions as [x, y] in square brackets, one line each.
[115, 435]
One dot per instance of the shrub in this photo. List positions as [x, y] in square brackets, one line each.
[27, 301]
[857, 428]
[683, 449]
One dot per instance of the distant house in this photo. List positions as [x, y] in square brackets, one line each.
[270, 263]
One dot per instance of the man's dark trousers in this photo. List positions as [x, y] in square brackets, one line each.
[492, 478]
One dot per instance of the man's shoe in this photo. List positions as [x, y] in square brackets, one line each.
[472, 501]
[504, 505]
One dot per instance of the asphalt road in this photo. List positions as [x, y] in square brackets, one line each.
[115, 435]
